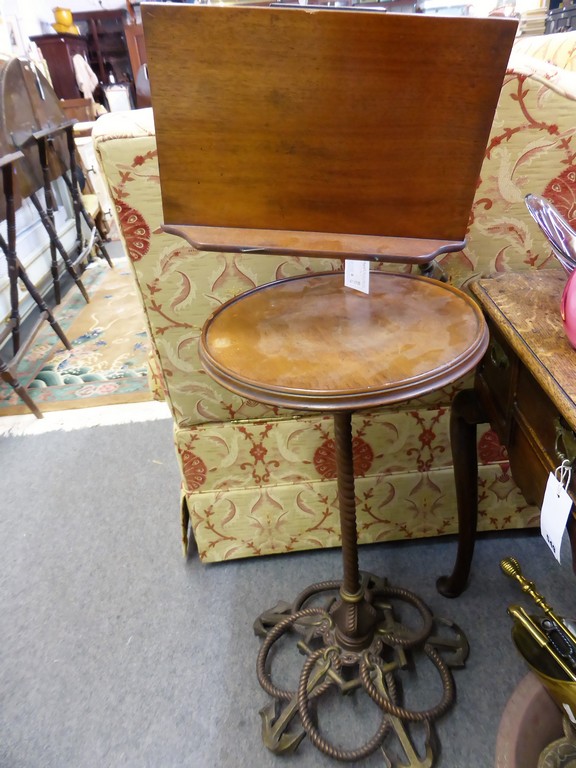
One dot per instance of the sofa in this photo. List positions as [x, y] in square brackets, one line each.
[259, 480]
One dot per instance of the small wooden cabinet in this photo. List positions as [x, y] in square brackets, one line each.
[59, 50]
[107, 49]
[102, 41]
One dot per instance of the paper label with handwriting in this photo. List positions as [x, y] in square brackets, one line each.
[357, 275]
[554, 516]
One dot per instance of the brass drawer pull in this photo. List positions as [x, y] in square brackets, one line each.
[565, 444]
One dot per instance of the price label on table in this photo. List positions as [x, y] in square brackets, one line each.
[555, 510]
[357, 275]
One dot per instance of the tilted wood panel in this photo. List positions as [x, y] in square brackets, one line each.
[322, 120]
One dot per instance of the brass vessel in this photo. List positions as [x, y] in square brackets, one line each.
[546, 642]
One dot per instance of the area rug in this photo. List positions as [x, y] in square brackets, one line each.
[108, 360]
[83, 418]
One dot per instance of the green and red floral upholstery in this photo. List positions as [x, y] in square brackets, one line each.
[259, 480]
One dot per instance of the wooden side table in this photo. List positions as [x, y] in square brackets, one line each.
[308, 342]
[287, 158]
[525, 388]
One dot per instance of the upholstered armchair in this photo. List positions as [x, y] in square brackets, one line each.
[257, 480]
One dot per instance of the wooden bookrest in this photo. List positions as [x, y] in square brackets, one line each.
[272, 121]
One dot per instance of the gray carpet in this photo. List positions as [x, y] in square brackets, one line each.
[116, 651]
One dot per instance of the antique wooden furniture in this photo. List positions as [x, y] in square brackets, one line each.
[107, 49]
[134, 34]
[379, 217]
[136, 43]
[405, 479]
[24, 93]
[525, 387]
[319, 160]
[37, 124]
[33, 119]
[38, 145]
[309, 342]
[83, 110]
[17, 272]
[59, 50]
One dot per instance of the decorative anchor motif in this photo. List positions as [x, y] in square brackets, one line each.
[414, 760]
[275, 721]
[372, 666]
[454, 648]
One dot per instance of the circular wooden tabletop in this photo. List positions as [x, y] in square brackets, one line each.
[309, 342]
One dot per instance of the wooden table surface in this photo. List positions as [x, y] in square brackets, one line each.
[310, 342]
[526, 308]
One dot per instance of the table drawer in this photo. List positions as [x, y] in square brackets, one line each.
[528, 464]
[538, 423]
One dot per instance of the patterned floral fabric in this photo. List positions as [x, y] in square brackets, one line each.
[558, 49]
[260, 480]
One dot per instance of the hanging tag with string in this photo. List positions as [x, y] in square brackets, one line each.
[556, 507]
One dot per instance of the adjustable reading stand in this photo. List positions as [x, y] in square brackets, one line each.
[350, 135]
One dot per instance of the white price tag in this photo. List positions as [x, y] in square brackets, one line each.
[555, 510]
[569, 712]
[357, 275]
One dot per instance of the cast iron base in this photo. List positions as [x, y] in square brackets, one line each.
[346, 661]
